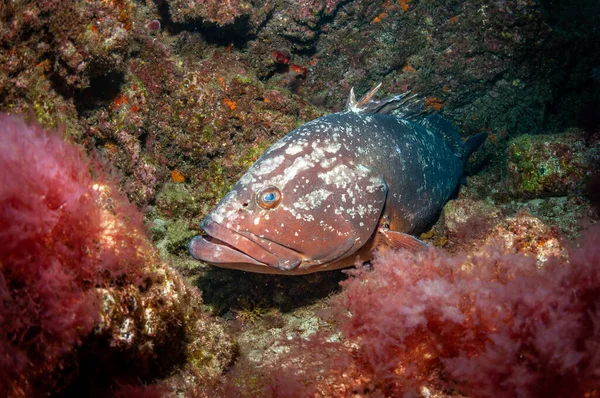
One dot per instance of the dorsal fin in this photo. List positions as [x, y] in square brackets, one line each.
[357, 106]
[402, 105]
[412, 107]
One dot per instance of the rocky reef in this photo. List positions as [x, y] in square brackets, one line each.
[178, 98]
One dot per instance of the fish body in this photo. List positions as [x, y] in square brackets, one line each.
[335, 189]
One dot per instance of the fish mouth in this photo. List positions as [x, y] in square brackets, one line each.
[241, 250]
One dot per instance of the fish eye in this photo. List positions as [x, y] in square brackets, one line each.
[269, 198]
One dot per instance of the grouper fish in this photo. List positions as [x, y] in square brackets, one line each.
[335, 189]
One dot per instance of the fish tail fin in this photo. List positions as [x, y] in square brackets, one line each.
[450, 134]
[471, 145]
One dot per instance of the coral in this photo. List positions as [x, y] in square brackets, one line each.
[82, 292]
[491, 324]
[178, 236]
[465, 219]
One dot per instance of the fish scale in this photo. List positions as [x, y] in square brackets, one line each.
[335, 189]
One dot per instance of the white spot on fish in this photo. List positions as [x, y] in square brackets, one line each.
[333, 147]
[376, 184]
[327, 163]
[256, 220]
[227, 210]
[293, 150]
[312, 200]
[340, 176]
[245, 179]
[267, 165]
[300, 164]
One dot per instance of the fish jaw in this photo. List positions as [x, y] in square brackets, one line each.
[224, 247]
[207, 250]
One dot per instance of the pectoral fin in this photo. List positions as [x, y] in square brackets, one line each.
[399, 240]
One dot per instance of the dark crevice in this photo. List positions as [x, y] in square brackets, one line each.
[103, 368]
[278, 69]
[60, 85]
[143, 138]
[102, 90]
[238, 33]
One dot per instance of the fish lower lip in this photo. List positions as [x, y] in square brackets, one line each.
[292, 258]
[225, 246]
[215, 251]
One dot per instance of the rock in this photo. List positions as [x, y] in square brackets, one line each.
[550, 165]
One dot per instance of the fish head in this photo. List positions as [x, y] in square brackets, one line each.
[299, 207]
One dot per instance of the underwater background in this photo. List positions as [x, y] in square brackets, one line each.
[123, 122]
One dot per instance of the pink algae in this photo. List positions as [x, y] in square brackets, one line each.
[59, 241]
[491, 324]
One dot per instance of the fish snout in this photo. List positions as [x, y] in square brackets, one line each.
[239, 250]
[209, 250]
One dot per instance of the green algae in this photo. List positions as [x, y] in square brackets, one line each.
[178, 235]
[253, 153]
[548, 165]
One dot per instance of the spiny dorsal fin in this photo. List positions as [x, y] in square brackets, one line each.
[412, 107]
[401, 105]
[351, 102]
[354, 106]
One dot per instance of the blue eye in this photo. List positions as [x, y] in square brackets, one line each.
[269, 198]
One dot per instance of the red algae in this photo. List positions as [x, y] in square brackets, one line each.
[55, 247]
[154, 25]
[80, 282]
[298, 70]
[491, 324]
